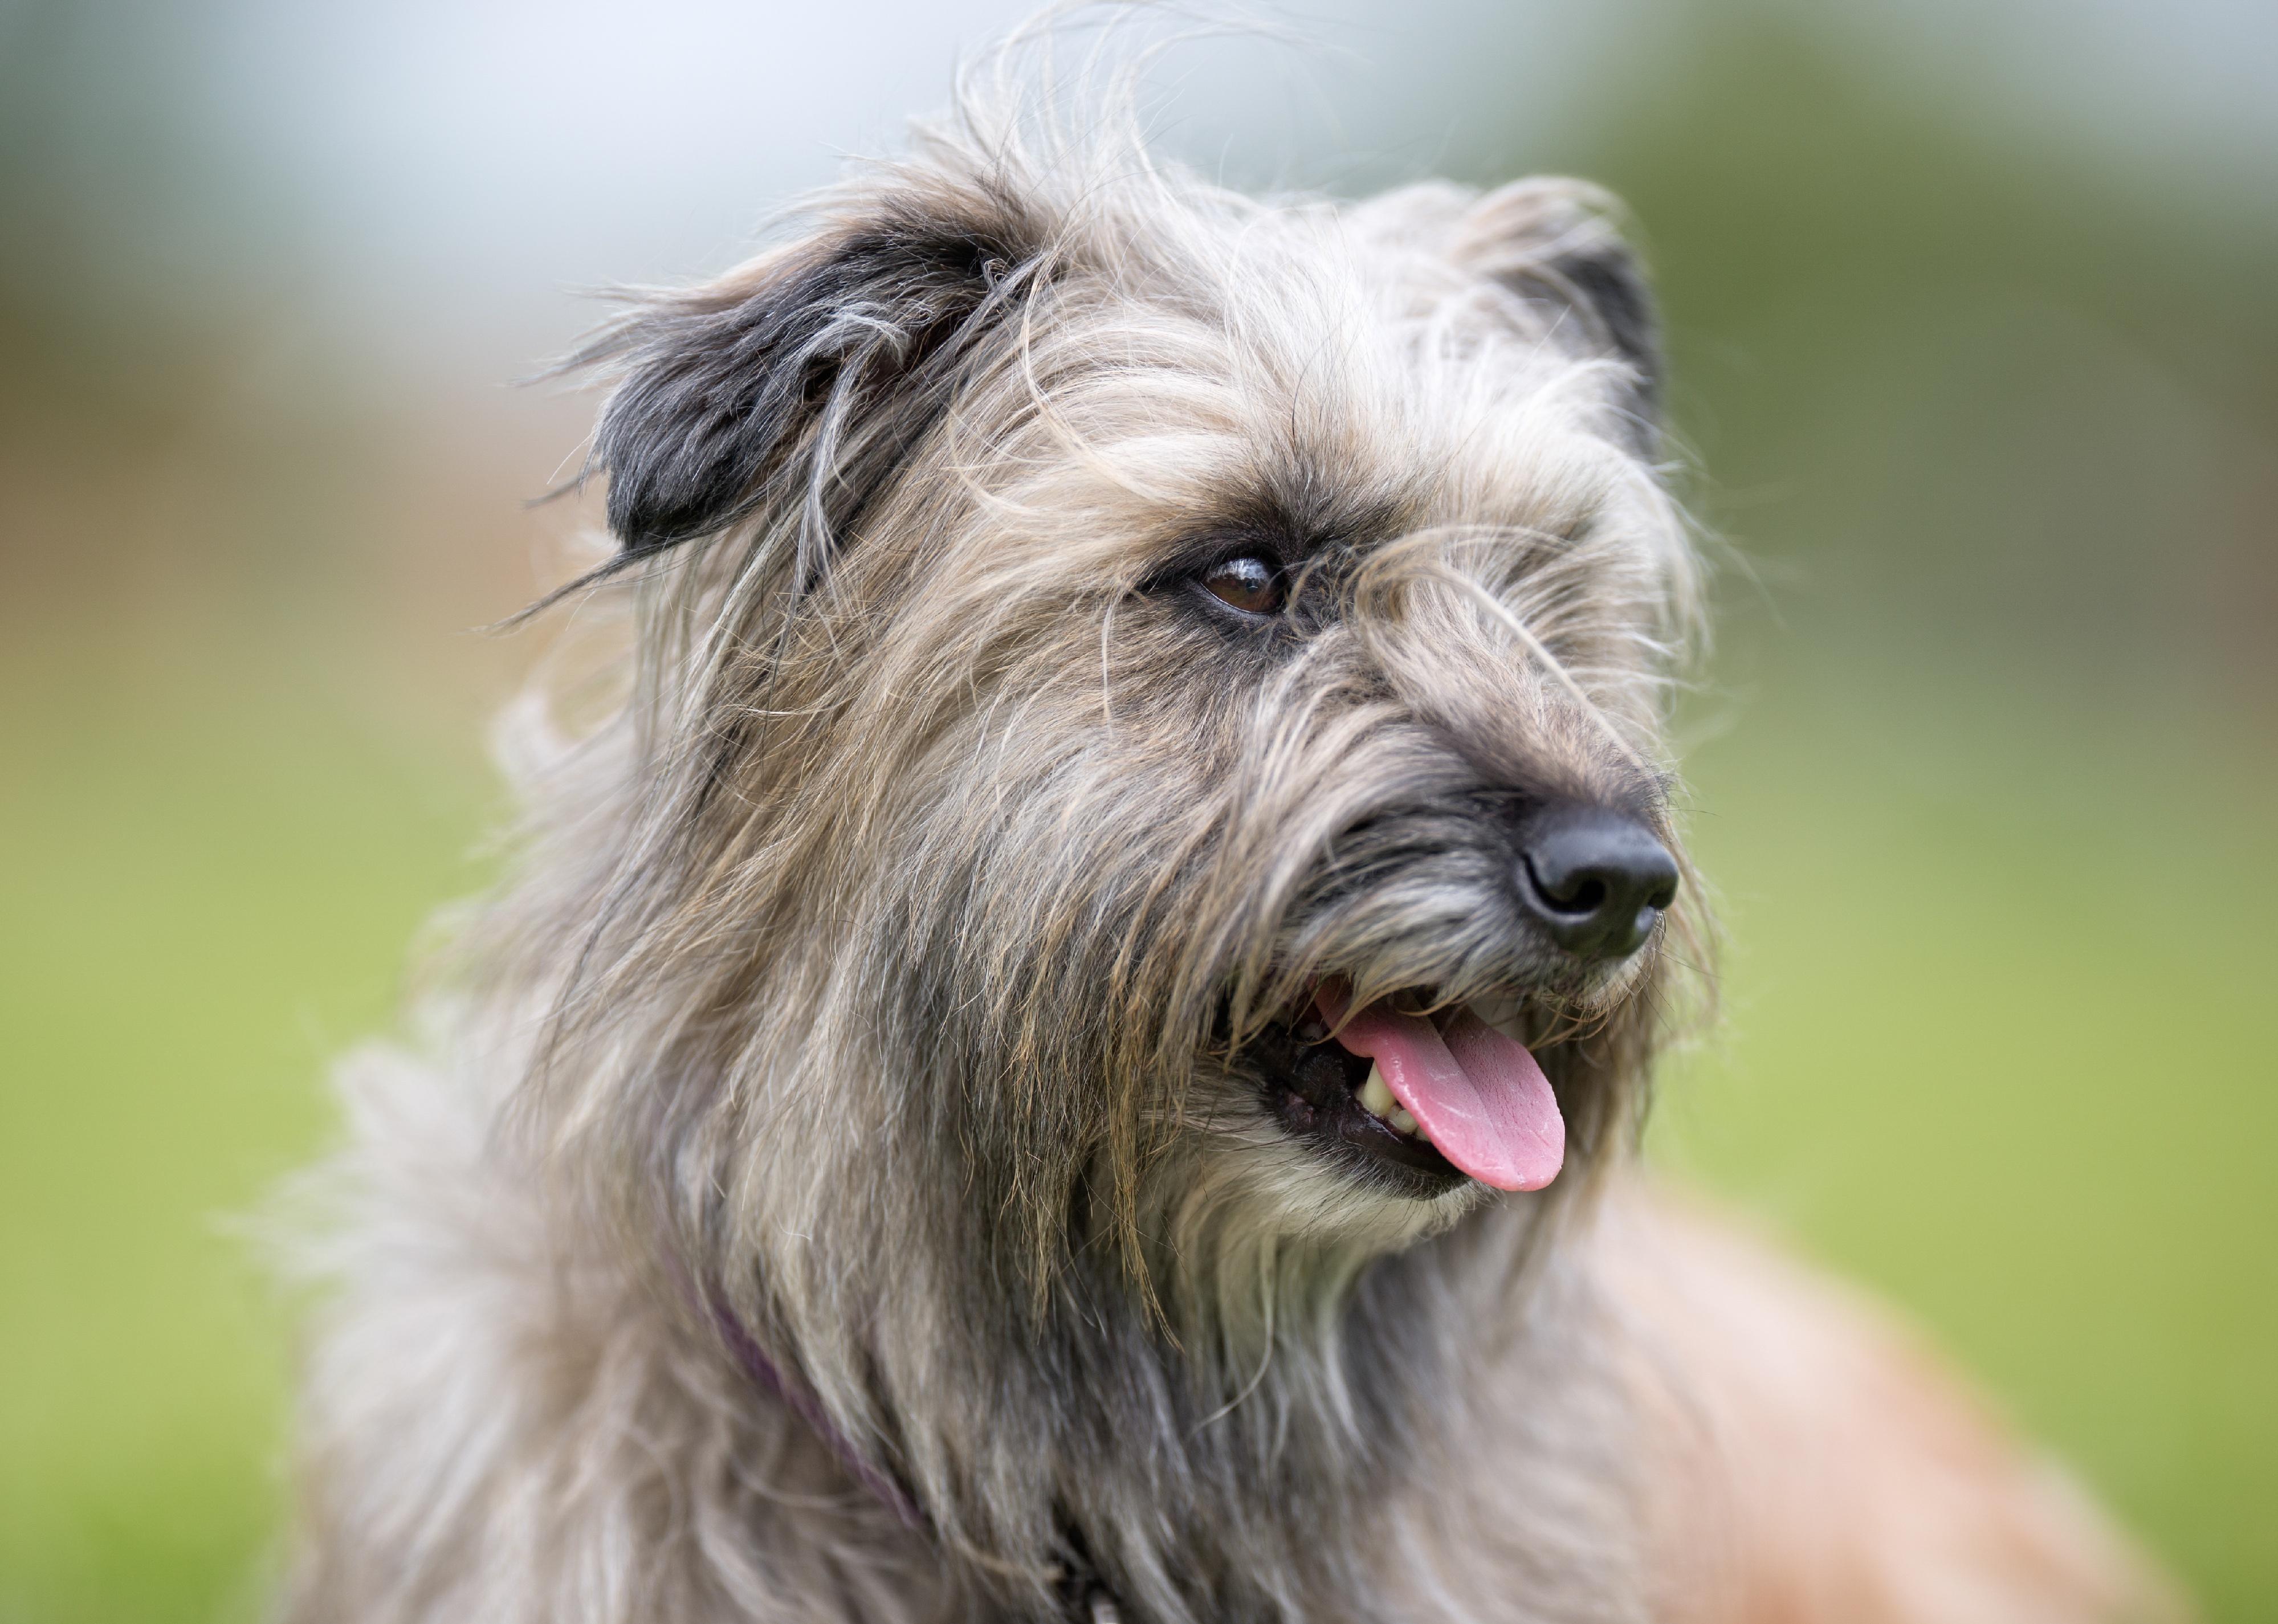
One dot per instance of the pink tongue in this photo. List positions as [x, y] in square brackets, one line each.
[1478, 1094]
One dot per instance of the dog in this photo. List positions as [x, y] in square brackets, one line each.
[1067, 1039]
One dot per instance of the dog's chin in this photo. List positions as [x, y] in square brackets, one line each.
[1245, 1172]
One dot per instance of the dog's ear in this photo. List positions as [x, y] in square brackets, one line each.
[1557, 241]
[802, 379]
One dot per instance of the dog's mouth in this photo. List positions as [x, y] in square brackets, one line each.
[1423, 1093]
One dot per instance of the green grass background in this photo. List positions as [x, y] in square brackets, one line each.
[1991, 406]
[211, 888]
[1998, 1039]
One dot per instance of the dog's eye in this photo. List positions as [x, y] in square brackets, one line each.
[1249, 584]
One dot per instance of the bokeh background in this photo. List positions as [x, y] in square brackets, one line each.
[1976, 350]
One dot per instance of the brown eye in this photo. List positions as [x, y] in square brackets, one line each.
[1250, 584]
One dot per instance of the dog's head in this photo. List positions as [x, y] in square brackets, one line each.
[1149, 732]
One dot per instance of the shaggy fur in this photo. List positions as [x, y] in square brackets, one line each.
[831, 1182]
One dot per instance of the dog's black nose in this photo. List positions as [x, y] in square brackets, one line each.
[1596, 879]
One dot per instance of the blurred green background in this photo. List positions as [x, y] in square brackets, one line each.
[1974, 346]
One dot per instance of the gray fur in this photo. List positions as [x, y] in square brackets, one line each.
[880, 962]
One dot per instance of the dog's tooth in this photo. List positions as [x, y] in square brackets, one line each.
[1375, 1098]
[1403, 1121]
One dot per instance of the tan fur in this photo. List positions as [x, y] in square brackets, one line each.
[1827, 1466]
[854, 1094]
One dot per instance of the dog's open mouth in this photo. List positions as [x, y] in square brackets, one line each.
[1430, 1099]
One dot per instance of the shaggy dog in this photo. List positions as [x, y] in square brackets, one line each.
[1068, 1039]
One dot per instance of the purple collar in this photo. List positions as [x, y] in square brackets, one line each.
[768, 1377]
[1088, 1600]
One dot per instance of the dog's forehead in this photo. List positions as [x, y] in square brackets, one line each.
[1340, 371]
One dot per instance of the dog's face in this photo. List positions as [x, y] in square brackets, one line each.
[1156, 698]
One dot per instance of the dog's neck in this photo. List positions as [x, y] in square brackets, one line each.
[1105, 1453]
[770, 1384]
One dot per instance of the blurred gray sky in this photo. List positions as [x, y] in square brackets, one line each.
[460, 163]
[439, 174]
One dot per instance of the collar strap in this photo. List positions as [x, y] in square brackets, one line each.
[769, 1379]
[1088, 1600]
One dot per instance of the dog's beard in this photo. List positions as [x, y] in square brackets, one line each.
[1281, 1163]
[1135, 1059]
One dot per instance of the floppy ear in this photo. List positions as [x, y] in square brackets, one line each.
[797, 382]
[1556, 241]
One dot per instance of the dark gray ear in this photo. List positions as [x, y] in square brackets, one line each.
[804, 378]
[1556, 241]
